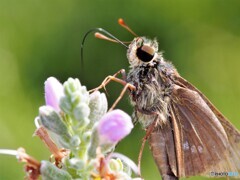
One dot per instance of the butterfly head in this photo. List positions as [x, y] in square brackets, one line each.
[142, 51]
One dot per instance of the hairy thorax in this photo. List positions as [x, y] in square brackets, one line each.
[153, 89]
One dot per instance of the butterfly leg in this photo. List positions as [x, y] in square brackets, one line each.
[126, 87]
[147, 135]
[108, 79]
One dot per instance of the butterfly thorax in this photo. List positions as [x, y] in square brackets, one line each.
[153, 88]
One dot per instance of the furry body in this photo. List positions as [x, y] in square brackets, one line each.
[190, 136]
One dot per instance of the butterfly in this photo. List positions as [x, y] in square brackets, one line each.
[187, 134]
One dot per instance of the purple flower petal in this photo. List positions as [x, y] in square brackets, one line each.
[53, 92]
[114, 126]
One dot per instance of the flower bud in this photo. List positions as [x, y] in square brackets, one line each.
[53, 92]
[75, 141]
[76, 163]
[87, 136]
[98, 105]
[50, 171]
[114, 126]
[94, 143]
[65, 104]
[51, 120]
[115, 165]
[128, 164]
[81, 111]
[71, 85]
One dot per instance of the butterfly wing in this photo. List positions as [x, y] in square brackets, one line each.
[204, 140]
[161, 141]
[231, 131]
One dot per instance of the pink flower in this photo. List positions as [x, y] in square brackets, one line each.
[114, 126]
[53, 92]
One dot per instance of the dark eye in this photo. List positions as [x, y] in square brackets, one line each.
[145, 53]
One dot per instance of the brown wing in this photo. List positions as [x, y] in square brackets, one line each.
[229, 128]
[204, 140]
[162, 145]
[232, 133]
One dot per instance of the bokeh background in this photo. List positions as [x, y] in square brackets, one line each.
[40, 38]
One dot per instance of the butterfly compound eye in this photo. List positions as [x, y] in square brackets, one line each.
[145, 53]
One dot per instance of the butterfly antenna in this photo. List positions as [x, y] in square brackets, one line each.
[100, 36]
[124, 25]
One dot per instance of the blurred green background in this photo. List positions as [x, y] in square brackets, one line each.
[40, 38]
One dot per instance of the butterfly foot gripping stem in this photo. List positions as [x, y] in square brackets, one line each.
[110, 78]
[122, 81]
